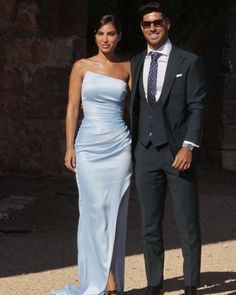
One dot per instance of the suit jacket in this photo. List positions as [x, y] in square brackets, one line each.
[183, 98]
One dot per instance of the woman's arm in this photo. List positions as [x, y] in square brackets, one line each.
[72, 113]
[127, 101]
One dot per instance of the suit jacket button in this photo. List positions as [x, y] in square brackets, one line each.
[150, 134]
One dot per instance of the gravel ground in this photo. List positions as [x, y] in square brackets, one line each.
[43, 256]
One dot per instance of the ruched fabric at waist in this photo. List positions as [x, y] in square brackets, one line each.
[106, 124]
[102, 139]
[104, 112]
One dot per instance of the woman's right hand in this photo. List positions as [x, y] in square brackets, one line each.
[70, 159]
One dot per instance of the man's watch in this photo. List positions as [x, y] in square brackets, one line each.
[188, 146]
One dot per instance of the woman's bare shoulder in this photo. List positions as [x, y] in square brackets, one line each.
[127, 65]
[80, 64]
[85, 64]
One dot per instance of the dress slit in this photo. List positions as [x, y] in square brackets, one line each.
[118, 254]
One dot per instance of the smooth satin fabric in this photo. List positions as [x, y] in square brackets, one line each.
[103, 172]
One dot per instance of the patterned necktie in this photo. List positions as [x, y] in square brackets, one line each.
[152, 78]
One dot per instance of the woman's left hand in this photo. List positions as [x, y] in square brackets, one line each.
[70, 159]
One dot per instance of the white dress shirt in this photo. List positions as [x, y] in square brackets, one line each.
[162, 61]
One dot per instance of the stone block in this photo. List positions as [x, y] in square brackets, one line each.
[7, 14]
[10, 205]
[26, 18]
[229, 111]
[60, 18]
[229, 160]
[231, 32]
[213, 136]
[32, 146]
[2, 57]
[225, 159]
[13, 203]
[40, 51]
[229, 137]
[213, 110]
[3, 215]
[3, 207]
[230, 86]
[212, 59]
[46, 93]
[214, 86]
[60, 51]
[219, 136]
[22, 51]
[211, 37]
[10, 80]
[18, 51]
[79, 49]
[229, 56]
[9, 144]
[214, 156]
[214, 78]
[43, 151]
[13, 106]
[21, 200]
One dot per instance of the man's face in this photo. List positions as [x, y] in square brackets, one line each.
[155, 29]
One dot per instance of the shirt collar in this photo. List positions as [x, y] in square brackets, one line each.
[165, 49]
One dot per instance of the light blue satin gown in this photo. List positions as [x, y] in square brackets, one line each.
[103, 172]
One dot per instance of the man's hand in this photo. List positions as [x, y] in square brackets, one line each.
[183, 159]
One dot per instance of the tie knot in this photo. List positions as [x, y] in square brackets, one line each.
[155, 55]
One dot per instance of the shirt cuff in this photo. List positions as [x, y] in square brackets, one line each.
[193, 144]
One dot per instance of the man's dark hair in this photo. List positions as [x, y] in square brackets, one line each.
[149, 7]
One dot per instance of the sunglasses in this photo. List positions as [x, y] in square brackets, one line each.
[155, 22]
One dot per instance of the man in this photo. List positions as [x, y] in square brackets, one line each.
[167, 103]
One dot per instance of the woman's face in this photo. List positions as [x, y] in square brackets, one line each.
[107, 38]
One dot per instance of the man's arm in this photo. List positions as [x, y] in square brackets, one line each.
[195, 107]
[196, 92]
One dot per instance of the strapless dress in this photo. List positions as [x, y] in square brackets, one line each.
[103, 173]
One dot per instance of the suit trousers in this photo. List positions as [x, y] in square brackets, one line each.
[154, 174]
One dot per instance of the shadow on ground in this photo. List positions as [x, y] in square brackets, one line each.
[52, 223]
[217, 190]
[212, 283]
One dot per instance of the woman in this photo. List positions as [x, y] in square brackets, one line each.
[101, 158]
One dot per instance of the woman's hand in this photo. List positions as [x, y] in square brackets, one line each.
[70, 159]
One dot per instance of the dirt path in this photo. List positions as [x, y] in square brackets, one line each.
[32, 263]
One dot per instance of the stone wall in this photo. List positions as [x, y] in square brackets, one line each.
[39, 40]
[220, 60]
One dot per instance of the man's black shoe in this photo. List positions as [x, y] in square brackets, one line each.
[190, 291]
[153, 290]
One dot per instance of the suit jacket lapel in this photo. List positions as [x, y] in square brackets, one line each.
[174, 63]
[135, 83]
